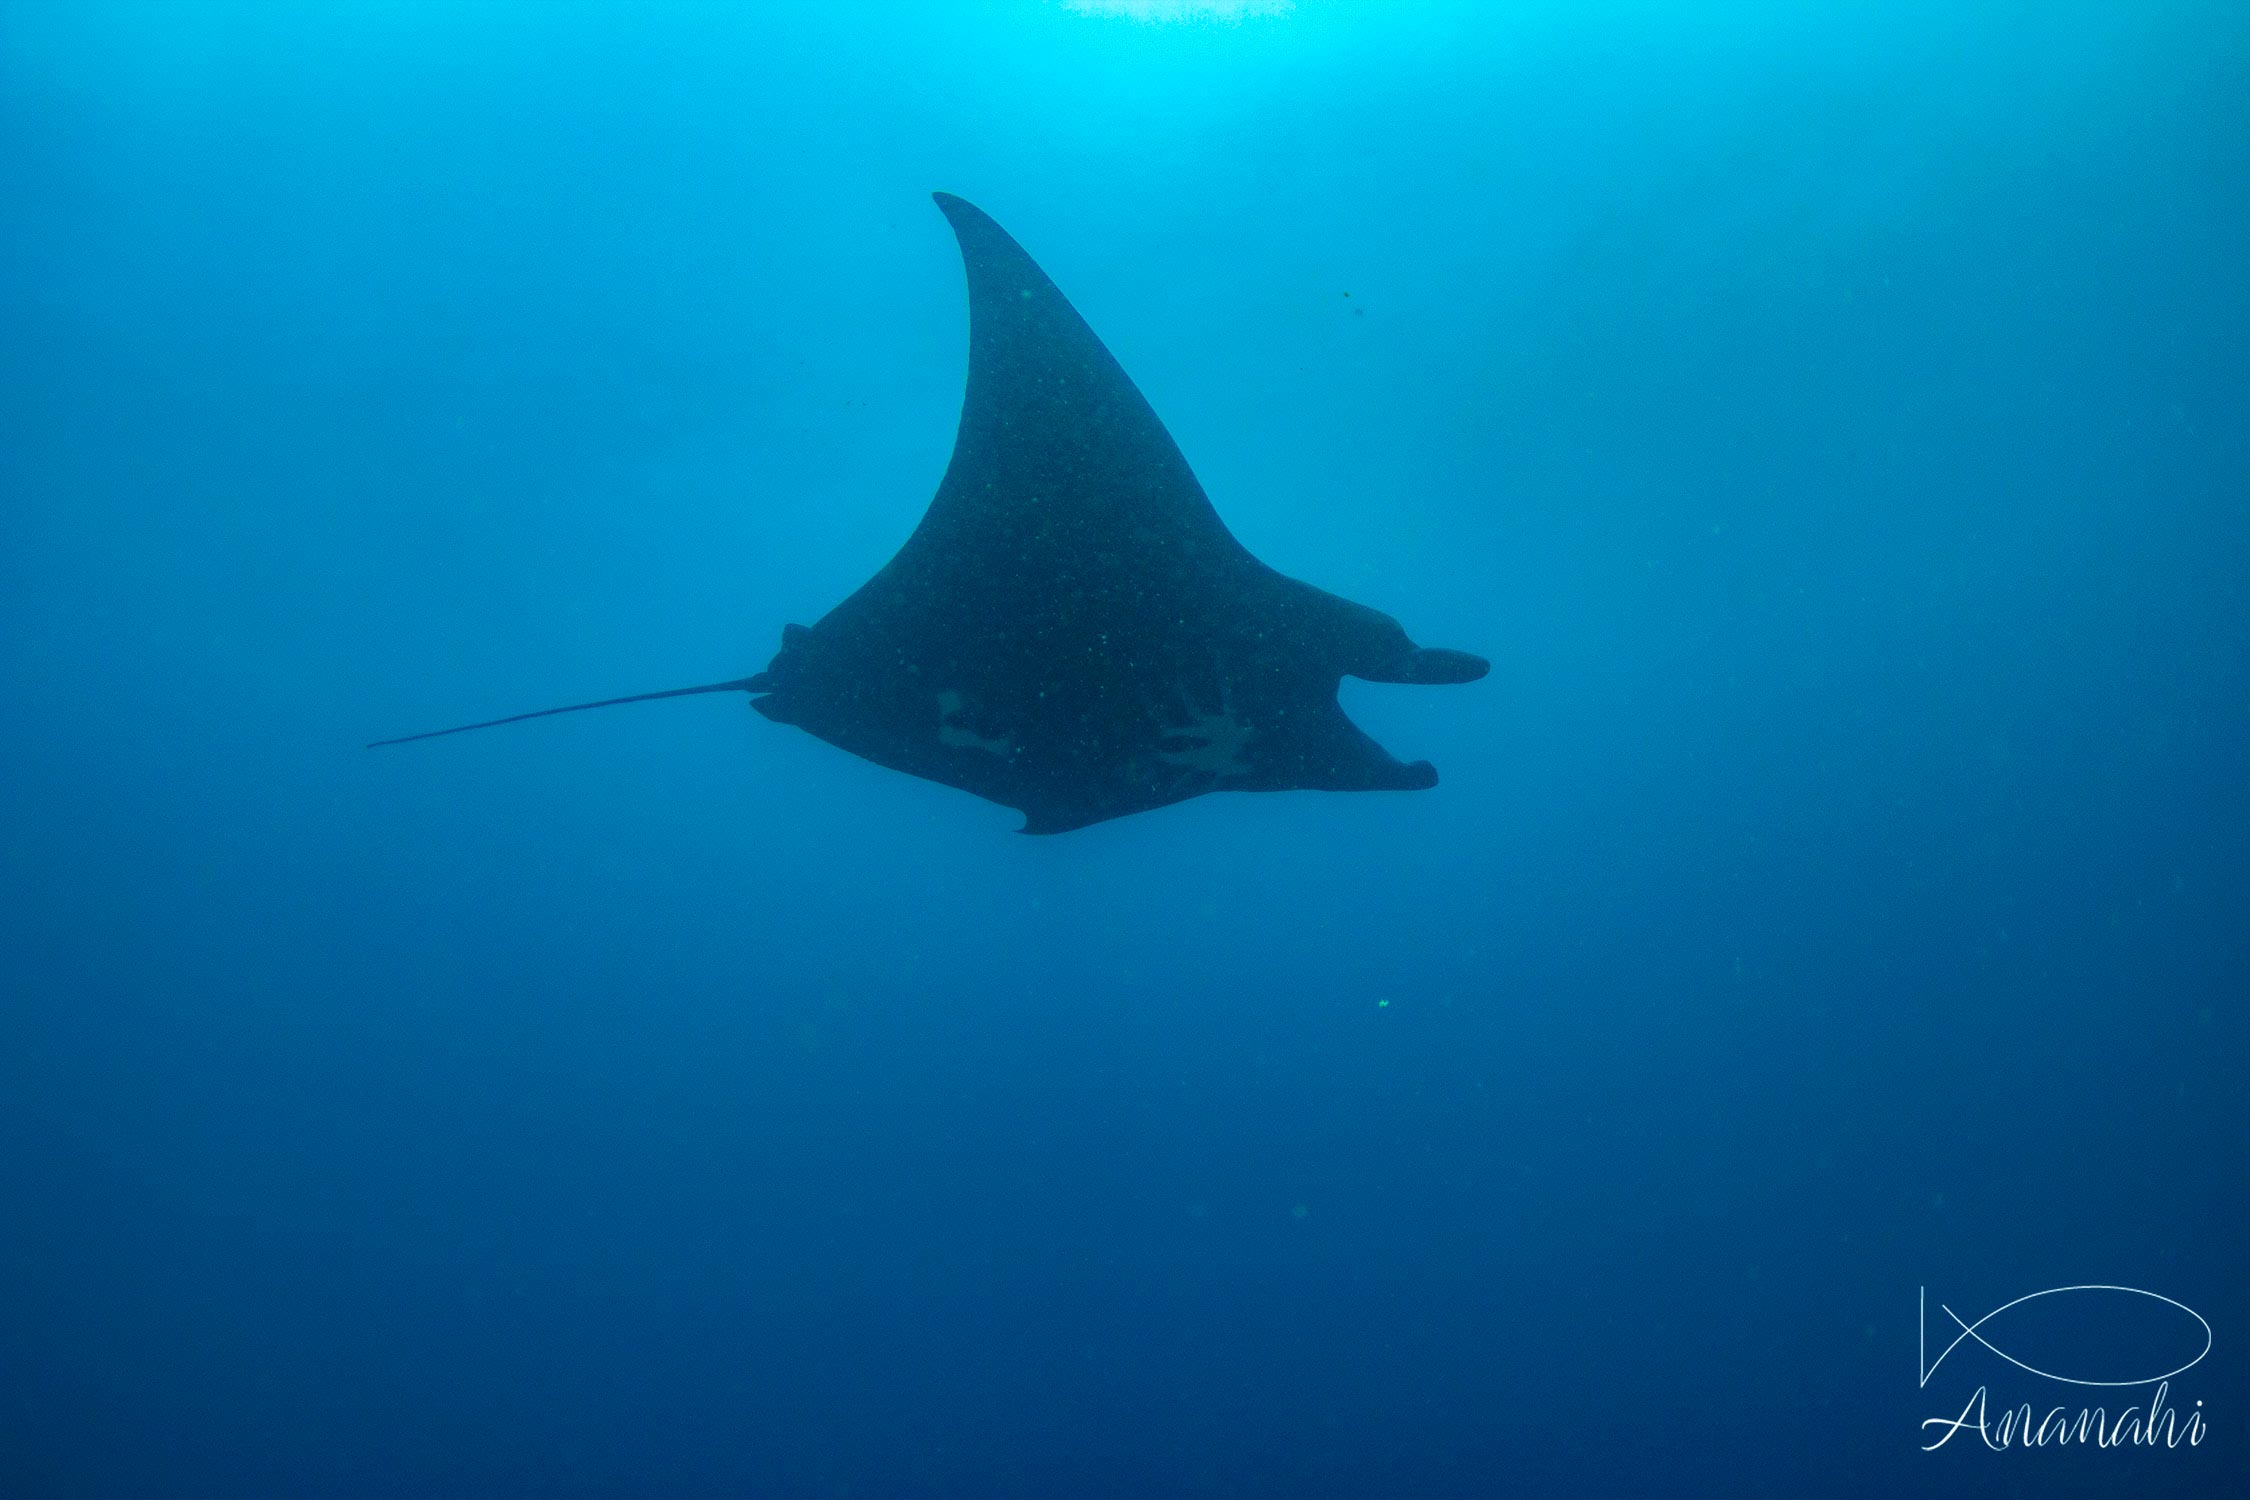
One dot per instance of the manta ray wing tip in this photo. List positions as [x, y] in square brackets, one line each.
[957, 208]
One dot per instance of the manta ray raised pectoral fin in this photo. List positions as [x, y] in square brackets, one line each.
[1071, 630]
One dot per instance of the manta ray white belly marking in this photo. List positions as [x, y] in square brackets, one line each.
[1205, 744]
[954, 711]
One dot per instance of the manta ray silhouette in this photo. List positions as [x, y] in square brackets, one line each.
[1072, 631]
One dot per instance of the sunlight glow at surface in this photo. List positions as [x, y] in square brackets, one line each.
[1173, 11]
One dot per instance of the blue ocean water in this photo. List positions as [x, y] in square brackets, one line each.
[1833, 422]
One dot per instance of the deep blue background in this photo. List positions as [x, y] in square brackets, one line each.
[1834, 422]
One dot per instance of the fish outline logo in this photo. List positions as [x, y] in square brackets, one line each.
[1970, 1330]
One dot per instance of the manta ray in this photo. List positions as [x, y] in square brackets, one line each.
[1071, 631]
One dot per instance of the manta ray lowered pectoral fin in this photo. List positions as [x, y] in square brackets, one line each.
[1071, 631]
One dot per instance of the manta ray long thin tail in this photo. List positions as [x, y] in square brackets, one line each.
[739, 685]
